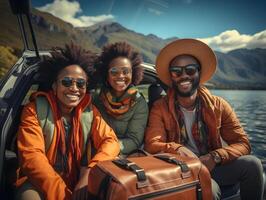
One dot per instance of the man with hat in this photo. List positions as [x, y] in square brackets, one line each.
[190, 121]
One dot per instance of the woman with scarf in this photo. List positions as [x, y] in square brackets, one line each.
[59, 126]
[119, 100]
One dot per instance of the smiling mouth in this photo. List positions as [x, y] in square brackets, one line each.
[120, 82]
[185, 83]
[72, 97]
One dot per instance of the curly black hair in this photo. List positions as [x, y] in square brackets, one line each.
[70, 54]
[112, 51]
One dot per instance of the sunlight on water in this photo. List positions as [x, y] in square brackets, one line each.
[250, 107]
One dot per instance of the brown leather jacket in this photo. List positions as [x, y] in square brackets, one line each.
[162, 133]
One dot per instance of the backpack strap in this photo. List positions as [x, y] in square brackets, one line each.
[86, 120]
[46, 121]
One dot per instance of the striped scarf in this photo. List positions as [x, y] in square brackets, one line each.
[116, 106]
[199, 129]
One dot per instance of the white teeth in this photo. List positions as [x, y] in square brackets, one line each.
[72, 97]
[185, 83]
[120, 82]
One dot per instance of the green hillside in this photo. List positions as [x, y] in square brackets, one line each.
[9, 34]
[7, 59]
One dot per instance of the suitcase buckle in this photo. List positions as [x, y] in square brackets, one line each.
[142, 184]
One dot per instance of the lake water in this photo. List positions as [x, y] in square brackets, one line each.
[250, 107]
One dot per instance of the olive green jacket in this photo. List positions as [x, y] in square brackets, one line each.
[129, 127]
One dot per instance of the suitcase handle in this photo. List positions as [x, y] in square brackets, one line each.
[171, 159]
[127, 164]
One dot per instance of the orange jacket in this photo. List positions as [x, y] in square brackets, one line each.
[37, 165]
[162, 133]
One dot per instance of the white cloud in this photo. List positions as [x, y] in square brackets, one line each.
[232, 39]
[91, 20]
[258, 41]
[68, 10]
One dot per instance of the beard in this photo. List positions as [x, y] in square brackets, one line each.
[195, 84]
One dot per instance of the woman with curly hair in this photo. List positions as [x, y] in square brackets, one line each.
[119, 101]
[58, 127]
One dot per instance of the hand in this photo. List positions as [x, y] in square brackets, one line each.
[81, 189]
[208, 161]
[183, 151]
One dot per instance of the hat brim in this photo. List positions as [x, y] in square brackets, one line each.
[201, 51]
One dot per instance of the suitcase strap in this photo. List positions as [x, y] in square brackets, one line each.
[171, 159]
[127, 164]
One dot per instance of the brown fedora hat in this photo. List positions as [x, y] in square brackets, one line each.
[196, 48]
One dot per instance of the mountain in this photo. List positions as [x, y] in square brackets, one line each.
[49, 30]
[147, 45]
[242, 68]
[9, 34]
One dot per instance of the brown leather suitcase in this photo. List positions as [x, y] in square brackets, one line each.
[159, 177]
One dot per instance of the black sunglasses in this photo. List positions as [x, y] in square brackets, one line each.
[190, 70]
[114, 71]
[68, 82]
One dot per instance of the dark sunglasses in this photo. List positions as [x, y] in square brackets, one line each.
[114, 71]
[190, 70]
[68, 82]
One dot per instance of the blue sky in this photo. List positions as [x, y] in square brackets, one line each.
[220, 23]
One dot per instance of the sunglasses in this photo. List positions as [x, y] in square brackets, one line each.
[68, 82]
[115, 71]
[190, 70]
